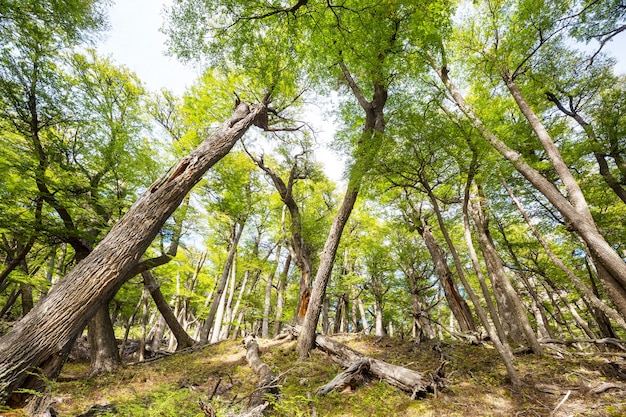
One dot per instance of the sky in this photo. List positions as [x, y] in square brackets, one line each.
[134, 40]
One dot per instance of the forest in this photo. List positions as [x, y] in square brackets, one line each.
[471, 247]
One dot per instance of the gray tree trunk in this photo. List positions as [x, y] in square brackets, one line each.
[56, 320]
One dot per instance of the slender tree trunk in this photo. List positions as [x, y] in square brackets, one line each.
[364, 158]
[463, 315]
[232, 250]
[575, 211]
[498, 274]
[559, 263]
[581, 323]
[497, 337]
[457, 304]
[538, 310]
[364, 322]
[603, 165]
[236, 312]
[144, 323]
[228, 307]
[280, 299]
[325, 316]
[379, 329]
[219, 314]
[267, 304]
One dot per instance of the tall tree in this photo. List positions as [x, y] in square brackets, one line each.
[56, 321]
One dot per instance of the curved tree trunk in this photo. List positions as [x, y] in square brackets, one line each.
[56, 320]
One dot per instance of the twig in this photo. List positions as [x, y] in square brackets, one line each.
[560, 403]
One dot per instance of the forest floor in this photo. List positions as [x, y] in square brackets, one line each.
[477, 384]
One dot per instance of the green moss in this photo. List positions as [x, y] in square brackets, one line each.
[477, 383]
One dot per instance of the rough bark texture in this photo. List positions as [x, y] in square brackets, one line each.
[572, 212]
[496, 271]
[406, 379]
[102, 337]
[44, 335]
[351, 377]
[457, 304]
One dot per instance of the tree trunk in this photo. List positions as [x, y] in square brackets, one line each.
[217, 297]
[498, 275]
[379, 328]
[575, 212]
[561, 265]
[280, 299]
[101, 336]
[56, 320]
[406, 379]
[228, 306]
[236, 312]
[182, 338]
[267, 304]
[364, 159]
[457, 304]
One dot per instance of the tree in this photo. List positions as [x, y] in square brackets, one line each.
[56, 321]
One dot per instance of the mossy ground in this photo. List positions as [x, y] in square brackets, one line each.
[477, 383]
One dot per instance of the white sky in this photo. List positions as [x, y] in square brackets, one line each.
[135, 41]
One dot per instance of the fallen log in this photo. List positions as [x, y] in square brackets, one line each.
[267, 384]
[351, 377]
[407, 380]
[616, 343]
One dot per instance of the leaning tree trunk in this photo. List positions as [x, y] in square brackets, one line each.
[574, 212]
[217, 298]
[457, 304]
[495, 268]
[41, 340]
[364, 157]
[182, 338]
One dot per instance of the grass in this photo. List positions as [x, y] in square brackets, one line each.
[477, 383]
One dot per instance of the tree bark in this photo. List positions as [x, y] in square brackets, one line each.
[101, 336]
[280, 299]
[457, 304]
[56, 320]
[498, 275]
[267, 384]
[182, 338]
[407, 380]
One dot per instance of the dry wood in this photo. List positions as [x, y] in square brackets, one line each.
[267, 384]
[350, 377]
[619, 344]
[405, 379]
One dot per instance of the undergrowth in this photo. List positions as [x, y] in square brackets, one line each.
[477, 384]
